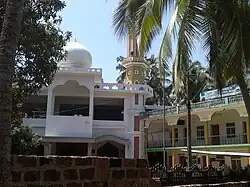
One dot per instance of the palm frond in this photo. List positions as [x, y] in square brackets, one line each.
[124, 21]
[148, 24]
[189, 22]
[121, 19]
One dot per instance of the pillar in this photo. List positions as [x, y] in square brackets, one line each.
[174, 159]
[248, 134]
[126, 151]
[208, 160]
[136, 137]
[173, 137]
[206, 133]
[89, 149]
[91, 103]
[53, 148]
[47, 149]
[228, 161]
[50, 102]
[145, 142]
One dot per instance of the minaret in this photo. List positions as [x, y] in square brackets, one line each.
[134, 64]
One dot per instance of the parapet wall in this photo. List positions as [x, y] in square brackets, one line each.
[34, 171]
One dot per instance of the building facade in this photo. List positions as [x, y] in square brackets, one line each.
[217, 125]
[79, 114]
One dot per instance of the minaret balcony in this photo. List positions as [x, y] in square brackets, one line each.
[133, 59]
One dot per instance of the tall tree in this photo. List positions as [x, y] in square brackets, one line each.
[8, 44]
[39, 49]
[121, 69]
[200, 80]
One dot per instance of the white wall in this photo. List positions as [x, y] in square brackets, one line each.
[109, 124]
[68, 126]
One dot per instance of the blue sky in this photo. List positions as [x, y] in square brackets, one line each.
[90, 22]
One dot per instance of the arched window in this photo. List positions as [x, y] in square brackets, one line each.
[136, 82]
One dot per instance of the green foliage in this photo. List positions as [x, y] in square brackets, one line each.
[24, 141]
[40, 48]
[153, 79]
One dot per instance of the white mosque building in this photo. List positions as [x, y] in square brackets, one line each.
[79, 114]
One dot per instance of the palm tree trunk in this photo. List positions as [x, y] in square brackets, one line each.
[8, 45]
[244, 91]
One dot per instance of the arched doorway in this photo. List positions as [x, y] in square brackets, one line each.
[110, 146]
[108, 150]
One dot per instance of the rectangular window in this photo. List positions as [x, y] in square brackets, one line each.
[200, 132]
[230, 130]
[129, 72]
[136, 72]
[136, 99]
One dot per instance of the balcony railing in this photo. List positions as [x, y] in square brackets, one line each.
[195, 106]
[177, 143]
[213, 140]
[227, 140]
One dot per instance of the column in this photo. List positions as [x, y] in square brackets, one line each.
[136, 147]
[173, 159]
[136, 137]
[145, 141]
[248, 135]
[208, 160]
[126, 151]
[89, 149]
[91, 103]
[206, 133]
[173, 137]
[228, 161]
[53, 148]
[248, 129]
[50, 102]
[47, 149]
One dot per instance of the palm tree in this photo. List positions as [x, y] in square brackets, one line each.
[8, 45]
[200, 80]
[121, 69]
[154, 80]
[222, 26]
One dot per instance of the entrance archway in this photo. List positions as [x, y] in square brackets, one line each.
[108, 150]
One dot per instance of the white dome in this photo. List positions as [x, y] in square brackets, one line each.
[78, 56]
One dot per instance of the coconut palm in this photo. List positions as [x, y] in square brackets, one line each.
[153, 79]
[121, 69]
[200, 80]
[222, 27]
[8, 45]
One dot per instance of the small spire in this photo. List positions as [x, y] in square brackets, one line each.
[75, 39]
